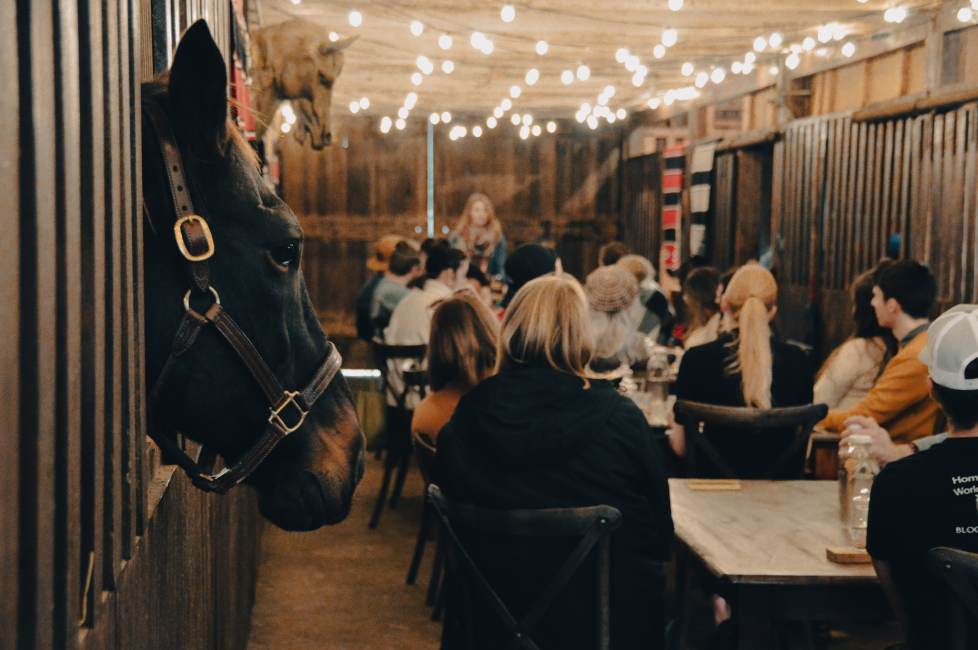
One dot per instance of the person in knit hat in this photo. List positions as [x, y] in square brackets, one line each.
[611, 293]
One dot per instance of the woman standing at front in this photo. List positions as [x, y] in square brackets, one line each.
[480, 234]
[542, 433]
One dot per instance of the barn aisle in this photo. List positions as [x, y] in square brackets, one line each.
[343, 586]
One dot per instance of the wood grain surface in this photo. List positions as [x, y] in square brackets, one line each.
[769, 532]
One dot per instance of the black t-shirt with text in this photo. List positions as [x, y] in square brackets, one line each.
[927, 500]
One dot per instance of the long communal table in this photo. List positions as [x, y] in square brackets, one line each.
[765, 543]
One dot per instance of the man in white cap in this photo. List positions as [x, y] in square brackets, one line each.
[930, 499]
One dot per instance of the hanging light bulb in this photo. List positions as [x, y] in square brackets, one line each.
[488, 47]
[403, 113]
[567, 77]
[477, 40]
[447, 67]
[355, 18]
[687, 69]
[621, 113]
[773, 70]
[514, 119]
[551, 127]
[417, 28]
[424, 64]
[542, 47]
[622, 54]
[434, 118]
[848, 49]
[491, 122]
[586, 109]
[760, 44]
[445, 42]
[527, 119]
[592, 122]
[676, 5]
[775, 40]
[659, 51]
[400, 124]
[736, 67]
[670, 36]
[718, 75]
[825, 33]
[895, 14]
[507, 14]
[632, 63]
[385, 124]
[524, 132]
[506, 104]
[476, 131]
[792, 61]
[638, 79]
[583, 72]
[702, 78]
[750, 57]
[532, 76]
[654, 103]
[965, 14]
[416, 78]
[498, 112]
[515, 92]
[364, 103]
[354, 107]
[333, 37]
[535, 130]
[446, 117]
[808, 44]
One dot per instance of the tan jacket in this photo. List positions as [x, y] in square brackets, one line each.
[900, 401]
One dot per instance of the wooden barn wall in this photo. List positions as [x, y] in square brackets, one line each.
[641, 205]
[741, 205]
[85, 558]
[565, 187]
[846, 194]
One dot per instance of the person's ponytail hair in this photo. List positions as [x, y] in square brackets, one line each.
[751, 294]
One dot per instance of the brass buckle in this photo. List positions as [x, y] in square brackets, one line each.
[182, 244]
[275, 419]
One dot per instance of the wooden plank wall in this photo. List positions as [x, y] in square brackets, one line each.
[82, 561]
[641, 208]
[849, 193]
[565, 187]
[742, 205]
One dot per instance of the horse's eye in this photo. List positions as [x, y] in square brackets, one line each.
[285, 255]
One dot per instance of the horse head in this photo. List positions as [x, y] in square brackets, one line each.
[207, 393]
[295, 60]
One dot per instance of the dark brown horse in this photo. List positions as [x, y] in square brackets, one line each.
[208, 394]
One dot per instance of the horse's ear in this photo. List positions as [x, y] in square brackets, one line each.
[198, 84]
[330, 47]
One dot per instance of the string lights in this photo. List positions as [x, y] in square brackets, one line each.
[777, 54]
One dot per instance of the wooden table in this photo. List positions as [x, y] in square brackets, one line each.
[766, 543]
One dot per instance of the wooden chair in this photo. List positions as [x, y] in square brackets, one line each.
[759, 427]
[397, 442]
[424, 452]
[959, 572]
[593, 525]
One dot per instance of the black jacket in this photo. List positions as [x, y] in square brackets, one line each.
[535, 438]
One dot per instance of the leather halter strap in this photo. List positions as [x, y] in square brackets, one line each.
[287, 408]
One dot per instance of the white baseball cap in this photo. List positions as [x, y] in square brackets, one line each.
[952, 344]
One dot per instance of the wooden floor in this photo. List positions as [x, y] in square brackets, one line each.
[343, 586]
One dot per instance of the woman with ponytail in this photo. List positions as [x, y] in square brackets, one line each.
[747, 366]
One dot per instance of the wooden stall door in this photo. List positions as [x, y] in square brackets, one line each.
[84, 563]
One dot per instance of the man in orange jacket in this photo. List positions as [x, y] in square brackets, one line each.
[903, 296]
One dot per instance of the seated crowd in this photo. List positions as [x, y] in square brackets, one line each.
[525, 410]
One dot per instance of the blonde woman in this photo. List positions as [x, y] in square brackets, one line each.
[461, 353]
[480, 234]
[748, 366]
[543, 433]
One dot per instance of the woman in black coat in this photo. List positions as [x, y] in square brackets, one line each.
[542, 434]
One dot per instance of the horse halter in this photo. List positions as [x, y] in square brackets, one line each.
[287, 408]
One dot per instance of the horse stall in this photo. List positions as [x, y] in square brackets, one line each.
[100, 545]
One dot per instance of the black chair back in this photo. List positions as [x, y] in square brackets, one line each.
[959, 572]
[593, 525]
[753, 422]
[383, 354]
